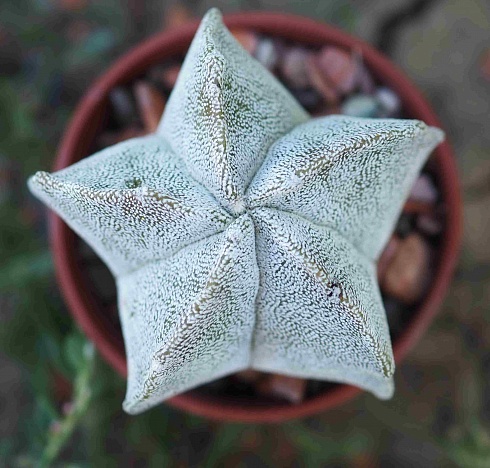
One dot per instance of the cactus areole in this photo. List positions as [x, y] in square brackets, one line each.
[244, 233]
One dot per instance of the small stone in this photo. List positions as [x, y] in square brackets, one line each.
[319, 83]
[293, 67]
[360, 105]
[122, 105]
[424, 190]
[429, 224]
[308, 98]
[247, 39]
[266, 53]
[365, 81]
[389, 102]
[151, 103]
[418, 207]
[288, 388]
[387, 256]
[407, 275]
[339, 68]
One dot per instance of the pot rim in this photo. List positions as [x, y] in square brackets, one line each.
[88, 117]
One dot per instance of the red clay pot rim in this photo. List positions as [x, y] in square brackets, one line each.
[86, 120]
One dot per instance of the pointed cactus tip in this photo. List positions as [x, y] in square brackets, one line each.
[38, 180]
[213, 14]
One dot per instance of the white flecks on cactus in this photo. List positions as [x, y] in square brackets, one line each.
[202, 302]
[243, 234]
[132, 203]
[224, 113]
[351, 174]
[316, 287]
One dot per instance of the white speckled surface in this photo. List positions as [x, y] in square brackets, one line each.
[243, 234]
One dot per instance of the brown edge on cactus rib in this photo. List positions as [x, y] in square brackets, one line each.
[85, 123]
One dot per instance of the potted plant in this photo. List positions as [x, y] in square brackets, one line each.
[267, 208]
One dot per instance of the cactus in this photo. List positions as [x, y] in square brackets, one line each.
[244, 233]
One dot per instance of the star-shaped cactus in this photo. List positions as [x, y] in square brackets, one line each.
[244, 233]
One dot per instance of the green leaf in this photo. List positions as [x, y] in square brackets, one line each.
[74, 351]
[226, 440]
[24, 269]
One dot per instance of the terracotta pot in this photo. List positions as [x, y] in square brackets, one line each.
[78, 141]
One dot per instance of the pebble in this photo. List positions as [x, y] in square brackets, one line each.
[424, 190]
[123, 105]
[288, 388]
[365, 80]
[407, 274]
[389, 102]
[318, 82]
[360, 105]
[266, 53]
[417, 207]
[308, 98]
[429, 224]
[387, 256]
[339, 68]
[247, 39]
[293, 67]
[151, 103]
